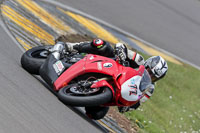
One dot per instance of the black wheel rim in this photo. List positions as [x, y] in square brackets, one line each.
[40, 54]
[77, 90]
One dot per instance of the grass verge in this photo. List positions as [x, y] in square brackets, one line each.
[174, 106]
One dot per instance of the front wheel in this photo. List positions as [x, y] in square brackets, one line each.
[32, 59]
[76, 96]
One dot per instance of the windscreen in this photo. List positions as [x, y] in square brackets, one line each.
[145, 81]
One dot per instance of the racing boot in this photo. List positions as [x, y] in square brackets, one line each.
[72, 47]
[57, 49]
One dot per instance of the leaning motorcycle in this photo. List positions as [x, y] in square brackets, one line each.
[91, 81]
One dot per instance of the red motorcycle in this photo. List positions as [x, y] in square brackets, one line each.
[89, 80]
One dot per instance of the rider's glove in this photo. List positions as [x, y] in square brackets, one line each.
[123, 109]
[135, 106]
[121, 51]
[128, 108]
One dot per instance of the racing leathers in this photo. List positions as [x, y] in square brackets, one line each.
[100, 47]
[103, 48]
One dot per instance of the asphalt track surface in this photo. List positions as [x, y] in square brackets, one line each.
[173, 25]
[25, 32]
[26, 105]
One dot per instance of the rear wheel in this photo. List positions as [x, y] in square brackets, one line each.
[77, 95]
[32, 59]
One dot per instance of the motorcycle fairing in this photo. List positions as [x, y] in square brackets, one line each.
[90, 63]
[99, 64]
[130, 89]
[47, 71]
[126, 94]
[101, 84]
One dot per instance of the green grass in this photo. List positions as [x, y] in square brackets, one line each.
[175, 105]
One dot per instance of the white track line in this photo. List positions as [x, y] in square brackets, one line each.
[121, 31]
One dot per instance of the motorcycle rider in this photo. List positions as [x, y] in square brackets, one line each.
[156, 65]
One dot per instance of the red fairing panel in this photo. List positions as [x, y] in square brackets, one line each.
[103, 83]
[91, 63]
[129, 83]
[128, 72]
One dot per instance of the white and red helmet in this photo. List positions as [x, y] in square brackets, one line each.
[157, 65]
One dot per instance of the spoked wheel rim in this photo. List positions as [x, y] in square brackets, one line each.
[93, 98]
[40, 54]
[79, 90]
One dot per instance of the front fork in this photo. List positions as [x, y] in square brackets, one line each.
[103, 82]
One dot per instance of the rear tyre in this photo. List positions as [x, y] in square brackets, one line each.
[68, 97]
[32, 59]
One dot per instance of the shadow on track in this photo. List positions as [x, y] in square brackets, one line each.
[77, 110]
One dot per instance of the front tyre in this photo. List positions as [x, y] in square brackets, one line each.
[32, 59]
[93, 98]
